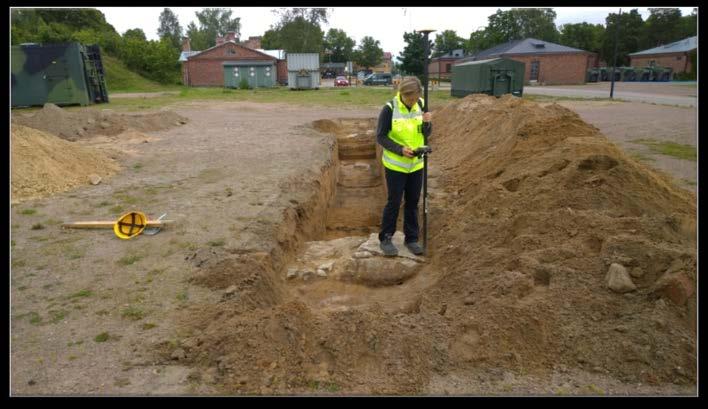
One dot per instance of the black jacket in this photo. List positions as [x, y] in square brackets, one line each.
[384, 127]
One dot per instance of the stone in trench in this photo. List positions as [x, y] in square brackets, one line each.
[636, 272]
[231, 290]
[292, 273]
[379, 271]
[178, 354]
[326, 267]
[321, 272]
[618, 280]
[94, 179]
[362, 254]
[105, 125]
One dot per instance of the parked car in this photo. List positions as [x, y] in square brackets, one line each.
[341, 82]
[378, 79]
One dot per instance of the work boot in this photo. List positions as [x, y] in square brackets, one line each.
[388, 248]
[414, 247]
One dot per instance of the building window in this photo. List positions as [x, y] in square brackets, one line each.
[447, 67]
[678, 58]
[231, 51]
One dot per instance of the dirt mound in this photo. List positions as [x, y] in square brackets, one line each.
[43, 164]
[532, 207]
[537, 206]
[87, 122]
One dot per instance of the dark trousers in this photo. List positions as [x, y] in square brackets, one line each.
[401, 184]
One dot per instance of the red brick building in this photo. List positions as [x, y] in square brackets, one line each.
[675, 55]
[546, 63]
[207, 67]
[441, 67]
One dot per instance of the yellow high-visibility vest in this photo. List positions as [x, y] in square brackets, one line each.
[406, 130]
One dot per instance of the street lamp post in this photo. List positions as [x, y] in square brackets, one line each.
[426, 49]
[614, 57]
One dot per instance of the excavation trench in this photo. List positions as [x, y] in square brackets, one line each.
[343, 267]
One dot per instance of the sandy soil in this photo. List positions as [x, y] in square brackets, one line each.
[204, 307]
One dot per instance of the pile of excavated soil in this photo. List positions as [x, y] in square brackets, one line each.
[531, 208]
[537, 206]
[43, 164]
[85, 122]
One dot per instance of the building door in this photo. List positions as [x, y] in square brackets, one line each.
[535, 67]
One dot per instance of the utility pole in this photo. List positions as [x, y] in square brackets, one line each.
[426, 49]
[614, 62]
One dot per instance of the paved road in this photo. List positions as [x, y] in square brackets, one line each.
[618, 94]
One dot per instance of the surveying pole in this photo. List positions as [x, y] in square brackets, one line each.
[426, 49]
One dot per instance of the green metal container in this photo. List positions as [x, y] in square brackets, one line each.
[593, 75]
[62, 74]
[496, 77]
[258, 74]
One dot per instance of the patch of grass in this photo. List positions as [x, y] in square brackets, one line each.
[102, 312]
[127, 198]
[103, 204]
[35, 318]
[57, 316]
[28, 211]
[37, 226]
[72, 357]
[676, 150]
[102, 337]
[689, 182]
[130, 259]
[22, 288]
[148, 326]
[592, 388]
[133, 313]
[12, 243]
[641, 157]
[137, 166]
[216, 243]
[18, 263]
[182, 296]
[82, 293]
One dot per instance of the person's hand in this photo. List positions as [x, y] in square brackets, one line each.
[408, 152]
[427, 117]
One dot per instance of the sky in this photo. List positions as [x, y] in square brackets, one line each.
[385, 24]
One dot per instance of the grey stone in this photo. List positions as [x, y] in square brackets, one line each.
[362, 254]
[618, 279]
[94, 179]
[231, 290]
[292, 273]
[105, 125]
[91, 121]
[321, 272]
[326, 267]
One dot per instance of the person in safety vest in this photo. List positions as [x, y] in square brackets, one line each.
[402, 124]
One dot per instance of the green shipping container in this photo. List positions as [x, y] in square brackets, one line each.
[62, 74]
[257, 74]
[496, 77]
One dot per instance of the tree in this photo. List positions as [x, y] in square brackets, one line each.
[663, 26]
[631, 27]
[413, 54]
[339, 45]
[583, 35]
[516, 24]
[170, 28]
[689, 26]
[369, 54]
[270, 40]
[215, 22]
[446, 42]
[481, 40]
[298, 30]
[136, 33]
[197, 38]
